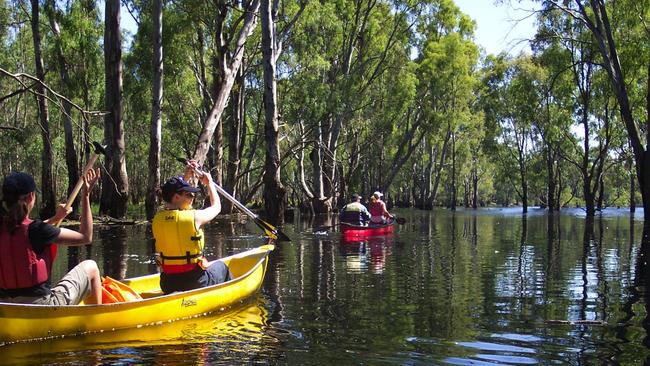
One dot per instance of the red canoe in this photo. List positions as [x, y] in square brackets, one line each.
[355, 231]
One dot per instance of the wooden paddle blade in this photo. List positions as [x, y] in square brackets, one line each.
[400, 220]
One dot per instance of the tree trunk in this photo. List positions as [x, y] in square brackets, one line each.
[428, 182]
[155, 130]
[524, 185]
[235, 138]
[441, 164]
[632, 187]
[115, 185]
[47, 175]
[70, 151]
[274, 192]
[599, 25]
[601, 194]
[453, 172]
[320, 203]
[71, 160]
[229, 72]
[411, 139]
[217, 154]
[550, 179]
[474, 188]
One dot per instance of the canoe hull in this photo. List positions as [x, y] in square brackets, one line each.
[29, 322]
[353, 232]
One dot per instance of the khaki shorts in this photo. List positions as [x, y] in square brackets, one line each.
[70, 290]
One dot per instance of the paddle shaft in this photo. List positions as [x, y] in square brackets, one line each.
[80, 181]
[230, 198]
[269, 229]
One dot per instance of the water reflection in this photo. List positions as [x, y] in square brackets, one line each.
[642, 280]
[483, 287]
[371, 253]
[114, 241]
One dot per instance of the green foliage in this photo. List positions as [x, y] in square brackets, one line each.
[380, 88]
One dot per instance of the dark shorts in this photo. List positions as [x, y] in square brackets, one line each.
[217, 273]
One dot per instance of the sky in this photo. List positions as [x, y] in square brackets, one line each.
[503, 27]
[499, 28]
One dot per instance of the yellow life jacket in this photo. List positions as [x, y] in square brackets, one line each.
[177, 240]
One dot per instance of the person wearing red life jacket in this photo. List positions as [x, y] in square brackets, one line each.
[28, 248]
[178, 233]
[379, 215]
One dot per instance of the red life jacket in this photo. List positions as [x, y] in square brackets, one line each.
[20, 266]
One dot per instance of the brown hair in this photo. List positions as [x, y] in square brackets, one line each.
[13, 213]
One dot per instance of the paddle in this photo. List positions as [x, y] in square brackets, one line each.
[269, 229]
[97, 150]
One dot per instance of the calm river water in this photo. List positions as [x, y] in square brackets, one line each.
[471, 288]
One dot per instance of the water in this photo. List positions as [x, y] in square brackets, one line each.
[471, 288]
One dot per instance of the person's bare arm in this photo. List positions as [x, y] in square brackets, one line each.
[202, 217]
[85, 233]
[386, 213]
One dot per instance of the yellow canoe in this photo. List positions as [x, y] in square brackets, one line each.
[241, 326]
[22, 322]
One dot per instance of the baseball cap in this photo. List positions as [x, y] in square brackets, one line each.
[175, 185]
[355, 197]
[377, 194]
[17, 184]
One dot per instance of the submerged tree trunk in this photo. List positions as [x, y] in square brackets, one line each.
[475, 179]
[155, 129]
[47, 175]
[274, 192]
[453, 202]
[425, 192]
[524, 185]
[597, 20]
[441, 163]
[115, 185]
[550, 178]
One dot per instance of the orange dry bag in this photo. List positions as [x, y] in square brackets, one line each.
[115, 291]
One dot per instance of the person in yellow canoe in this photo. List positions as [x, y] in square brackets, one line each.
[179, 237]
[28, 248]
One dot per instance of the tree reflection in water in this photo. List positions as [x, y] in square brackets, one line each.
[114, 242]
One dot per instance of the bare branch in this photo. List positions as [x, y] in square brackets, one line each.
[19, 78]
[9, 128]
[17, 92]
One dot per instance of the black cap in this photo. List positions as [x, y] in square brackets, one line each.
[355, 197]
[17, 184]
[175, 185]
